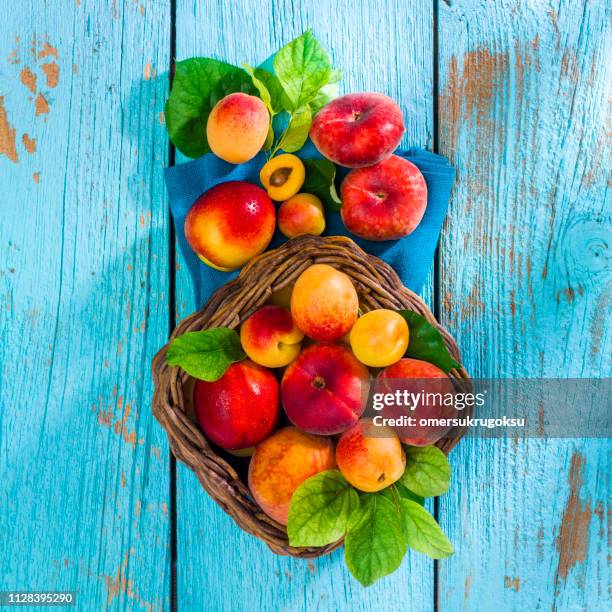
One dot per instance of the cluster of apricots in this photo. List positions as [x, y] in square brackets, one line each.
[311, 360]
[384, 196]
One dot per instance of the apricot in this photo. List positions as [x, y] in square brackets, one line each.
[237, 127]
[270, 338]
[370, 457]
[281, 463]
[230, 223]
[301, 214]
[283, 176]
[379, 338]
[324, 303]
[324, 390]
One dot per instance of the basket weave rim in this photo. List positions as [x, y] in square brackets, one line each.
[378, 286]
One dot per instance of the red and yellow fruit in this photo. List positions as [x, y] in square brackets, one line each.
[379, 338]
[241, 408]
[370, 457]
[283, 176]
[282, 463]
[385, 201]
[324, 390]
[324, 303]
[230, 223]
[416, 377]
[358, 130]
[301, 214]
[237, 127]
[270, 338]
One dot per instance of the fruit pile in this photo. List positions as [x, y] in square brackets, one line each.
[289, 388]
[382, 197]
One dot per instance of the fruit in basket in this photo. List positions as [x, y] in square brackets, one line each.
[230, 223]
[324, 303]
[324, 390]
[281, 463]
[241, 408]
[301, 214]
[370, 456]
[283, 176]
[379, 338]
[385, 201]
[270, 337]
[358, 129]
[419, 377]
[237, 127]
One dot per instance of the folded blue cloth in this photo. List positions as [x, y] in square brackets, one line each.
[411, 257]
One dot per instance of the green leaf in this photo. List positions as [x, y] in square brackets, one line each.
[199, 83]
[302, 67]
[269, 141]
[206, 355]
[295, 135]
[320, 509]
[320, 181]
[408, 494]
[335, 76]
[326, 94]
[423, 532]
[375, 544]
[427, 471]
[268, 86]
[426, 343]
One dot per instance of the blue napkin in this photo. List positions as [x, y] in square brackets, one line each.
[411, 257]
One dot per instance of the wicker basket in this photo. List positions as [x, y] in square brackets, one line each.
[378, 286]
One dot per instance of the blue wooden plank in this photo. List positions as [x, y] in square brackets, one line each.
[83, 295]
[525, 284]
[383, 46]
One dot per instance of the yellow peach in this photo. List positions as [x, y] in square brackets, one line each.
[379, 338]
[301, 214]
[237, 127]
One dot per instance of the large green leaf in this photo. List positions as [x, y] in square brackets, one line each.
[427, 471]
[422, 532]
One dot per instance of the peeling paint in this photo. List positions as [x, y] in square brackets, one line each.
[41, 105]
[29, 143]
[51, 71]
[47, 51]
[28, 78]
[573, 540]
[7, 135]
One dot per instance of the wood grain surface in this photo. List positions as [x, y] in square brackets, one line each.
[514, 92]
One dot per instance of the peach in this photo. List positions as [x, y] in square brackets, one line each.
[324, 390]
[385, 201]
[282, 463]
[301, 214]
[237, 127]
[324, 303]
[370, 456]
[379, 338]
[270, 338]
[230, 223]
[241, 408]
[358, 129]
[283, 176]
[419, 377]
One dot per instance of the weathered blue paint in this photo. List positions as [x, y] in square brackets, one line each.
[83, 299]
[84, 278]
[526, 287]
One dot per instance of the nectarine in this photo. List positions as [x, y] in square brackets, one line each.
[230, 223]
[301, 214]
[379, 338]
[270, 338]
[241, 408]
